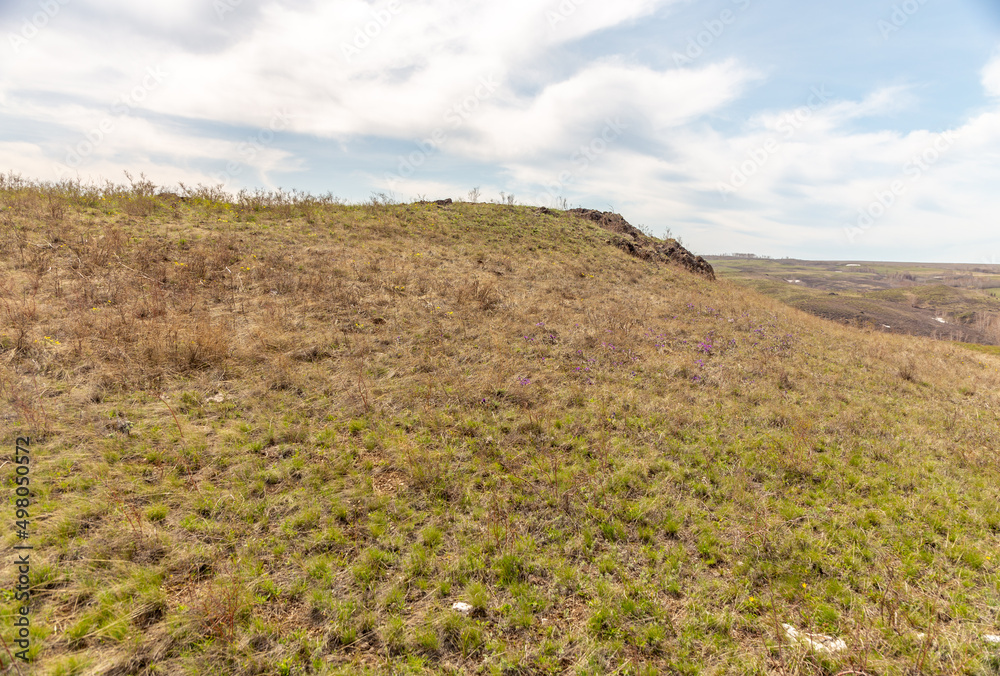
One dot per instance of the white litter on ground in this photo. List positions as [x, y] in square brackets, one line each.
[821, 643]
[991, 638]
[794, 281]
[217, 399]
[461, 607]
[939, 319]
[853, 265]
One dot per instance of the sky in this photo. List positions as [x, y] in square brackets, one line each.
[849, 130]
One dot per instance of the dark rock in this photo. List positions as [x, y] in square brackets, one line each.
[630, 239]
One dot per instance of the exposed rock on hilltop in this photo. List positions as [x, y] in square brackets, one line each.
[629, 238]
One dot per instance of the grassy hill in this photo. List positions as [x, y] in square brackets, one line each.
[273, 434]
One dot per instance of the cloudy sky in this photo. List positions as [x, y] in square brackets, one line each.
[857, 129]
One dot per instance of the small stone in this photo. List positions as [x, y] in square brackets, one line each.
[461, 607]
[217, 399]
[991, 638]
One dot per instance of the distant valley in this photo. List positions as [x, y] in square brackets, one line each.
[937, 300]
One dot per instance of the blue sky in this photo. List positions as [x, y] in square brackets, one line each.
[849, 130]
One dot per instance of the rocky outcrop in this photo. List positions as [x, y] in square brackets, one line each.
[630, 239]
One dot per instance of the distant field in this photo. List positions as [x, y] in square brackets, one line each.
[946, 301]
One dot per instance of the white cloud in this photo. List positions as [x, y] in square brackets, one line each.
[398, 70]
[173, 14]
[345, 68]
[566, 114]
[991, 76]
[28, 159]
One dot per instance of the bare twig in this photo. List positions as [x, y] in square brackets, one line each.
[176, 422]
[363, 389]
[13, 660]
[928, 638]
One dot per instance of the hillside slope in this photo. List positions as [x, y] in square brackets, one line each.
[275, 434]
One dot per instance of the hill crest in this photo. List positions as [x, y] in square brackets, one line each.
[640, 245]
